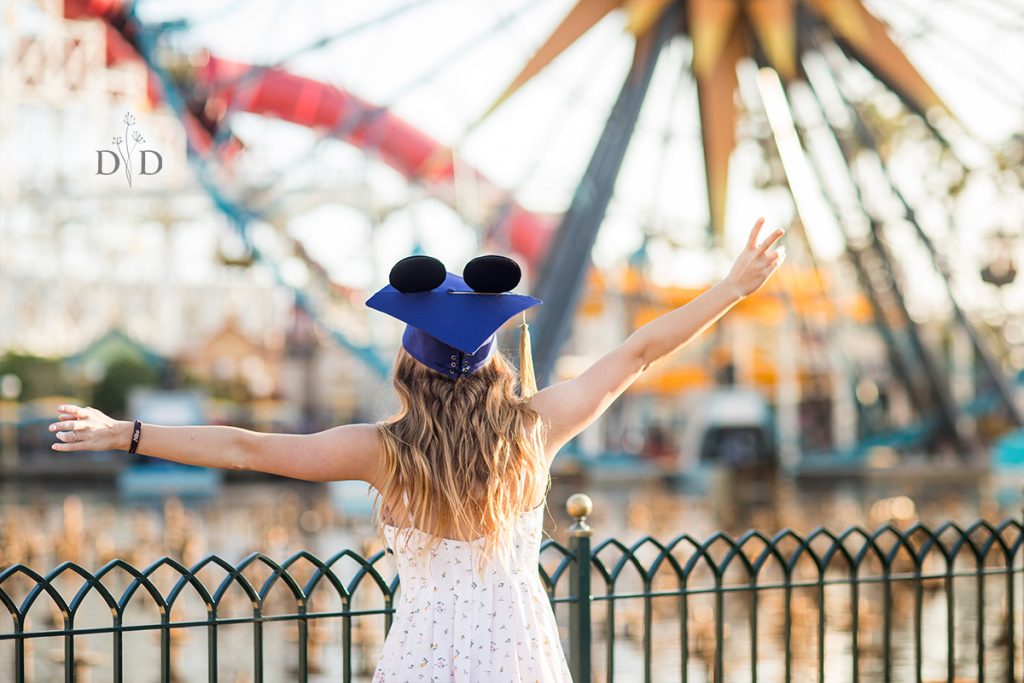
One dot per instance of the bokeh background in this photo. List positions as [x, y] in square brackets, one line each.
[196, 198]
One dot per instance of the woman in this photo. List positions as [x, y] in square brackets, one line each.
[461, 470]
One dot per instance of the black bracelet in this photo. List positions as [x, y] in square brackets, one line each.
[136, 433]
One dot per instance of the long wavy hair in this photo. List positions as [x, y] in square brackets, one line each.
[468, 453]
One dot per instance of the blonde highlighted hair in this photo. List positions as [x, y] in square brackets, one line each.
[467, 453]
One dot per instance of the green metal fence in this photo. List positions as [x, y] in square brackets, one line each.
[895, 604]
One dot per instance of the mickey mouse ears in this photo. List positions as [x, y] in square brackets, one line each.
[462, 312]
[491, 274]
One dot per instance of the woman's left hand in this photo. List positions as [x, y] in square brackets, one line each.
[757, 262]
[87, 429]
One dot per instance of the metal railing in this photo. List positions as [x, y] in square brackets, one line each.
[912, 604]
[879, 583]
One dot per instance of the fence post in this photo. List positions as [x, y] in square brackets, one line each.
[579, 506]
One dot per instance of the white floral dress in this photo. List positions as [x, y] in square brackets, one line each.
[452, 626]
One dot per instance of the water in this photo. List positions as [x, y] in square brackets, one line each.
[43, 526]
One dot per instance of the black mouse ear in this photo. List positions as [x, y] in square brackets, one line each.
[417, 274]
[492, 274]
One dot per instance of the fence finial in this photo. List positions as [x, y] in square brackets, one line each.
[579, 506]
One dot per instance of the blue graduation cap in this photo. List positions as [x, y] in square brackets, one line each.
[452, 321]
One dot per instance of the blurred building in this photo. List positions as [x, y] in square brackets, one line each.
[93, 268]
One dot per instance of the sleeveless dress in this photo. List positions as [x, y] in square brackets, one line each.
[451, 626]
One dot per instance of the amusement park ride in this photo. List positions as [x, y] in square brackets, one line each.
[852, 311]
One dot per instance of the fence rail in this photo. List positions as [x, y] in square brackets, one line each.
[892, 604]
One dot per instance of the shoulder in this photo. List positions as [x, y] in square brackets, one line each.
[366, 447]
[352, 451]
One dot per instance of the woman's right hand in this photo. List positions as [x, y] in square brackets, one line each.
[88, 429]
[757, 262]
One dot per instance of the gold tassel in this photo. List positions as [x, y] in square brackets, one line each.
[527, 379]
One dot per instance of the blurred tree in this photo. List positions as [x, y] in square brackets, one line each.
[40, 376]
[174, 376]
[111, 392]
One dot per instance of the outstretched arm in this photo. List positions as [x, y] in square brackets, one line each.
[569, 407]
[345, 452]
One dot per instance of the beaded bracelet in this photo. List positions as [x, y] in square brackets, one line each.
[136, 433]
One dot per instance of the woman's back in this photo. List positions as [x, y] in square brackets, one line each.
[452, 624]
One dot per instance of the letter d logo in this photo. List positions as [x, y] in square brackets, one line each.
[159, 162]
[99, 162]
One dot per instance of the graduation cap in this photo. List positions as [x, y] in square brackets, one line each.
[451, 321]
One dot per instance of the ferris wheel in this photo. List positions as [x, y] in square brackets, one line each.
[815, 107]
